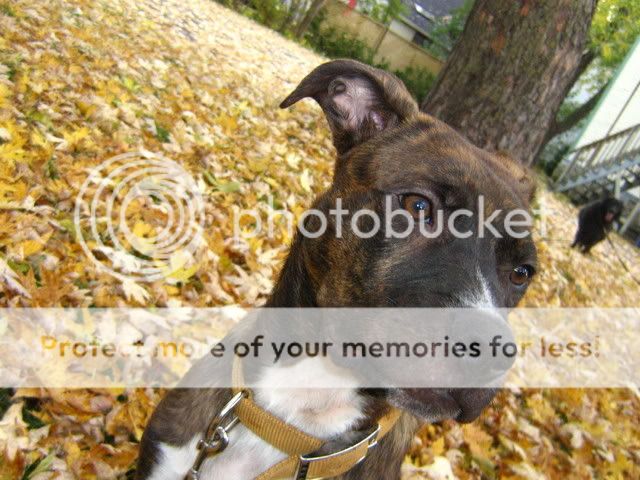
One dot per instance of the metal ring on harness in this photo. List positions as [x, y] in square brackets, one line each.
[216, 438]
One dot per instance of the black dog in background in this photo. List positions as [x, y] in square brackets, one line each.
[595, 221]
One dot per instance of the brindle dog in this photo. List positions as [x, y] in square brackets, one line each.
[386, 149]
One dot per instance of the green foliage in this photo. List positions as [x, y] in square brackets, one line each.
[270, 13]
[418, 81]
[162, 133]
[446, 31]
[6, 9]
[51, 169]
[553, 155]
[382, 12]
[41, 465]
[336, 44]
[556, 149]
[615, 26]
[614, 29]
[32, 421]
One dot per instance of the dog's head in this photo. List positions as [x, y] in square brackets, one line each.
[611, 210]
[393, 158]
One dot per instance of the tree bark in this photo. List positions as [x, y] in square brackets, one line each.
[303, 26]
[510, 71]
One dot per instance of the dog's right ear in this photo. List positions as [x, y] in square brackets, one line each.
[359, 101]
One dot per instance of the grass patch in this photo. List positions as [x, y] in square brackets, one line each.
[6, 9]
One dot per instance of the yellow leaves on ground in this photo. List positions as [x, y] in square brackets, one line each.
[12, 141]
[12, 192]
[49, 290]
[546, 439]
[306, 181]
[229, 124]
[82, 81]
[569, 279]
[73, 140]
[73, 101]
[134, 292]
[478, 441]
[129, 416]
[5, 94]
[31, 247]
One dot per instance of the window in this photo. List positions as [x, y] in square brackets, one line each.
[422, 40]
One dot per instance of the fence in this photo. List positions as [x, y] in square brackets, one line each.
[389, 47]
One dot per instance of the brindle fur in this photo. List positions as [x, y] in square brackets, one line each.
[385, 146]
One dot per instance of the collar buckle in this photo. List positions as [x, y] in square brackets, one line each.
[351, 455]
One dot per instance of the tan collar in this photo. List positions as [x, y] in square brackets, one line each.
[300, 464]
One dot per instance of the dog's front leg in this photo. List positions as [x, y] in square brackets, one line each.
[168, 446]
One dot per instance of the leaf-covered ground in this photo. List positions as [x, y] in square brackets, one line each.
[81, 81]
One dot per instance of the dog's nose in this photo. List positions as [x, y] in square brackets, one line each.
[494, 347]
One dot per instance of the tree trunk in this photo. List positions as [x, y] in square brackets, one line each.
[510, 71]
[291, 15]
[303, 26]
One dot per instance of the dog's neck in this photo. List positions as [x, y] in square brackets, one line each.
[294, 288]
[322, 412]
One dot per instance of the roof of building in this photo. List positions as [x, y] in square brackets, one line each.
[422, 13]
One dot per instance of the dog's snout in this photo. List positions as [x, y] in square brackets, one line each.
[494, 347]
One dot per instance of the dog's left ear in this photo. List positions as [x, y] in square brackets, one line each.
[359, 101]
[525, 180]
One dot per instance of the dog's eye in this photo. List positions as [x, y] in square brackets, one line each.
[418, 206]
[521, 275]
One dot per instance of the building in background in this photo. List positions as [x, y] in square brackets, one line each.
[606, 156]
[388, 47]
[420, 17]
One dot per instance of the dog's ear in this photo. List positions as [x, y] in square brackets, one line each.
[359, 101]
[525, 180]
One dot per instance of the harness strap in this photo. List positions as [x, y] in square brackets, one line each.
[298, 444]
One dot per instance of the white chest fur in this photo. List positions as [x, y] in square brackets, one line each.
[321, 412]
